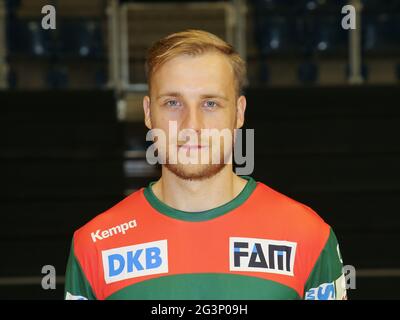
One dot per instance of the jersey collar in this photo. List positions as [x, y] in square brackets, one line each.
[200, 215]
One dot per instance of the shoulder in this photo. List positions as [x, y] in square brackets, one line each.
[293, 221]
[117, 219]
[291, 216]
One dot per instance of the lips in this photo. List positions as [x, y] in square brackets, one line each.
[191, 147]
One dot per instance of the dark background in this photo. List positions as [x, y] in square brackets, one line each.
[66, 154]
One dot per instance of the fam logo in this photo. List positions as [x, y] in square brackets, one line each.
[262, 255]
[135, 261]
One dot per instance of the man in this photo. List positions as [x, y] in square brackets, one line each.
[201, 231]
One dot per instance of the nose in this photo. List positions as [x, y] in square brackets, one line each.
[192, 118]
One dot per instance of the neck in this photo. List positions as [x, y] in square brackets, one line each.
[198, 195]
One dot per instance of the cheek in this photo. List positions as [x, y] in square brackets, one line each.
[160, 119]
[221, 120]
[163, 117]
[168, 127]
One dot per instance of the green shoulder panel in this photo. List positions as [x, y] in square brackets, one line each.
[326, 280]
[77, 286]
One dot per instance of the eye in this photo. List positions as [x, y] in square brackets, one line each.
[209, 104]
[172, 103]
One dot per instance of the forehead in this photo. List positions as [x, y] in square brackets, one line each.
[201, 73]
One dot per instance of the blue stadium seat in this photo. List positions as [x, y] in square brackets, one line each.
[297, 6]
[12, 80]
[81, 38]
[275, 26]
[28, 37]
[273, 4]
[264, 72]
[12, 5]
[57, 78]
[12, 34]
[326, 34]
[101, 78]
[397, 72]
[40, 39]
[276, 34]
[313, 5]
[308, 72]
[381, 33]
[380, 6]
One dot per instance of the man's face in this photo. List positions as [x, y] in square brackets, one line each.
[197, 92]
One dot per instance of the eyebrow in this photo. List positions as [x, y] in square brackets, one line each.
[203, 96]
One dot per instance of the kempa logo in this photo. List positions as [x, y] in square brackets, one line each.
[262, 255]
[122, 228]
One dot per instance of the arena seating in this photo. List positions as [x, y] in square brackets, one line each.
[61, 164]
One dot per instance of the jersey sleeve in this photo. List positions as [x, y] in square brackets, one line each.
[326, 280]
[77, 287]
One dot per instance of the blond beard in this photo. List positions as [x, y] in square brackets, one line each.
[197, 171]
[205, 171]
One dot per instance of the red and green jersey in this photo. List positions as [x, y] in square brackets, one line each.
[260, 245]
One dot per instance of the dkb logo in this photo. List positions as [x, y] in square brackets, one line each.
[135, 261]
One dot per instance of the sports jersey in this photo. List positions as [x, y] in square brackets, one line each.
[260, 245]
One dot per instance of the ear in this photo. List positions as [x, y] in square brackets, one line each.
[240, 109]
[146, 109]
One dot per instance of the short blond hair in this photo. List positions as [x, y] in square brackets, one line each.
[193, 42]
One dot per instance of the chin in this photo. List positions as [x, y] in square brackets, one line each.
[195, 171]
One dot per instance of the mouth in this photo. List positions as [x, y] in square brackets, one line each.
[192, 147]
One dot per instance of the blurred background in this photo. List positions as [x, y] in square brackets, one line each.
[324, 103]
